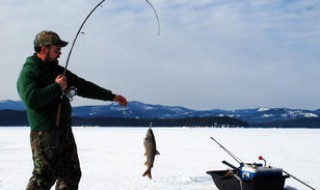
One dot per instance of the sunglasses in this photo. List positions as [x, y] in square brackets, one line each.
[56, 51]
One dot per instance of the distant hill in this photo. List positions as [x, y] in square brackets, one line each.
[137, 111]
[11, 105]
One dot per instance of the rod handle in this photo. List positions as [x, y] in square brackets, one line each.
[58, 115]
[230, 165]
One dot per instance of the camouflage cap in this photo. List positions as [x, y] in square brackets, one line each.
[45, 38]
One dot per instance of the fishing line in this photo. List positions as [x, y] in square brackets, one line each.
[157, 17]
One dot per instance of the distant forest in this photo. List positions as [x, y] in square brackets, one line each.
[179, 122]
[19, 118]
[311, 123]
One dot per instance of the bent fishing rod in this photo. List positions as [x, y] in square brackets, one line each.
[75, 39]
[260, 158]
[85, 20]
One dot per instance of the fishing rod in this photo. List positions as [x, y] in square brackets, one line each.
[75, 39]
[230, 153]
[79, 31]
[299, 180]
[260, 158]
[68, 58]
[85, 20]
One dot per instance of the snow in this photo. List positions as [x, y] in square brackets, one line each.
[267, 115]
[310, 115]
[112, 158]
[263, 109]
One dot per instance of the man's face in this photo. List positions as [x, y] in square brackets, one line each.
[53, 53]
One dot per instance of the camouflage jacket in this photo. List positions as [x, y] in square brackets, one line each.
[41, 94]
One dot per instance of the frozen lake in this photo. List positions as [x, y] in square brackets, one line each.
[112, 158]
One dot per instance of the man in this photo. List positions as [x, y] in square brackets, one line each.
[40, 86]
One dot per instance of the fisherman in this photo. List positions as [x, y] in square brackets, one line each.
[42, 87]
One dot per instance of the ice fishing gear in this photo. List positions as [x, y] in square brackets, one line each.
[248, 176]
[253, 176]
[74, 41]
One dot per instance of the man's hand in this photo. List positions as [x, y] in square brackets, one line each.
[62, 81]
[121, 100]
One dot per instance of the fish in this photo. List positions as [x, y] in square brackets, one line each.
[151, 152]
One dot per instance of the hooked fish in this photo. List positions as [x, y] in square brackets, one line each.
[151, 152]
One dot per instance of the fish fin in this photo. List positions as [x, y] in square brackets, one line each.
[146, 163]
[145, 153]
[157, 153]
[147, 173]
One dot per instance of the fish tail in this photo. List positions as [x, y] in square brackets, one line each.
[147, 173]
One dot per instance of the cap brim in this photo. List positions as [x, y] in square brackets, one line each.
[63, 43]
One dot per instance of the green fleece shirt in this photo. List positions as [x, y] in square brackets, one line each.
[41, 94]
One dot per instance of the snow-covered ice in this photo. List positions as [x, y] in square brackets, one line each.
[112, 158]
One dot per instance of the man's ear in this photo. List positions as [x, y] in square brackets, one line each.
[44, 49]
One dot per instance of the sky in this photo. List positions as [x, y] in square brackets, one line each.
[210, 54]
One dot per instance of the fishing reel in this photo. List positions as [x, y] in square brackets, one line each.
[70, 93]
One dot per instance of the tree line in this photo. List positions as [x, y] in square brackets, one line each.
[19, 118]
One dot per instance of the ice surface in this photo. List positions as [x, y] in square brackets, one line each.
[112, 158]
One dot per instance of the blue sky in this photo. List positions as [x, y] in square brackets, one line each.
[225, 54]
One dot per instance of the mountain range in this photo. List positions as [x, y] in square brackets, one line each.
[137, 110]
